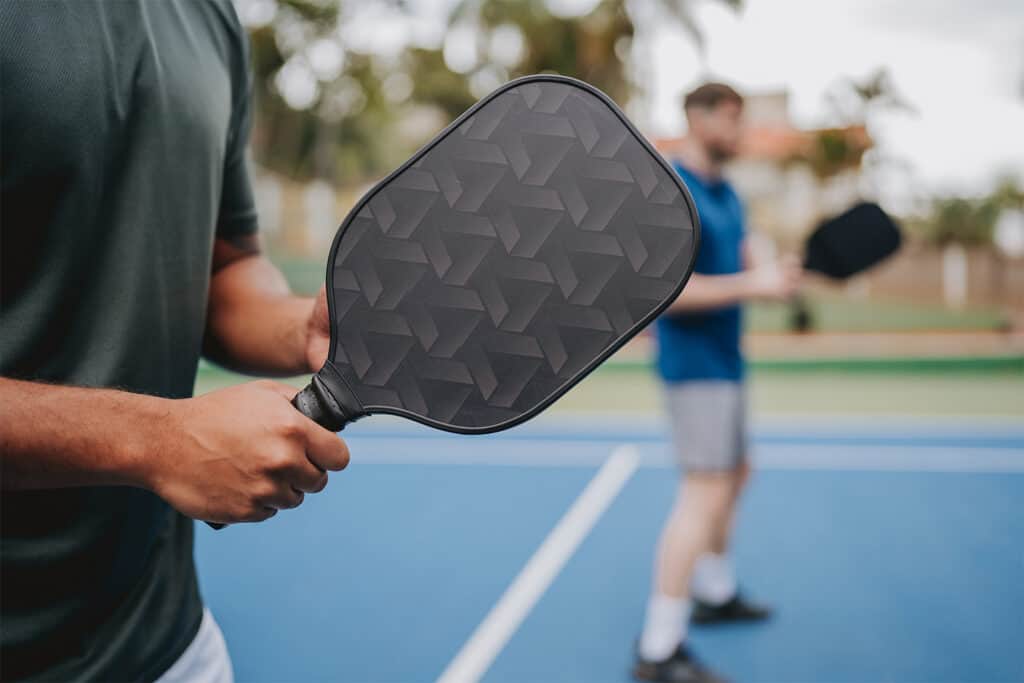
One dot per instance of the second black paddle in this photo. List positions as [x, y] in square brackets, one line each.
[846, 245]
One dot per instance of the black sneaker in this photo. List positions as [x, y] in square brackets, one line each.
[681, 667]
[736, 609]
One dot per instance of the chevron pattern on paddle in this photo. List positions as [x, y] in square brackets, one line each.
[523, 246]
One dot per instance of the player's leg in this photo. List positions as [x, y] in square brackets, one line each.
[721, 535]
[740, 470]
[702, 501]
[699, 414]
[714, 587]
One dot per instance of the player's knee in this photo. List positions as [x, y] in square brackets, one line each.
[710, 491]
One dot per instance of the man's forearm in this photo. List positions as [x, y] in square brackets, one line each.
[57, 436]
[254, 323]
[708, 292]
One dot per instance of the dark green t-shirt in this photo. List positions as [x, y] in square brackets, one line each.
[123, 128]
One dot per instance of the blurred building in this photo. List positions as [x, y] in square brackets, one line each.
[791, 177]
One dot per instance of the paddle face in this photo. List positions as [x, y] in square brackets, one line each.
[509, 257]
[852, 242]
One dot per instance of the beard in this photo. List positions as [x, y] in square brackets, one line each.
[720, 153]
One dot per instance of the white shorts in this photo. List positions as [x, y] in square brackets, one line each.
[205, 660]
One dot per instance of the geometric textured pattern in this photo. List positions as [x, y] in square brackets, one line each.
[510, 256]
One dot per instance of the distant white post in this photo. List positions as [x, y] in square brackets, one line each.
[269, 204]
[954, 275]
[321, 221]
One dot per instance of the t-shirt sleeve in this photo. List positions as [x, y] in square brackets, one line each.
[237, 213]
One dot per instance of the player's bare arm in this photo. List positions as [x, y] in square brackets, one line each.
[765, 281]
[235, 455]
[254, 323]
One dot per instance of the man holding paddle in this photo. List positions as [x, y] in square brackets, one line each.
[701, 363]
[129, 248]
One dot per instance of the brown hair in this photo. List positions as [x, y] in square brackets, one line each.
[710, 95]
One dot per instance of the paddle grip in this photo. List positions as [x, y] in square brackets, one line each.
[801, 318]
[318, 404]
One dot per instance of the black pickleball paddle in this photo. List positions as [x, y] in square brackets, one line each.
[503, 262]
[846, 245]
[852, 242]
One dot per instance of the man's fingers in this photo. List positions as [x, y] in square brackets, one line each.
[308, 478]
[286, 498]
[325, 449]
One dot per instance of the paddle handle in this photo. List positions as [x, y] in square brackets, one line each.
[801, 318]
[319, 404]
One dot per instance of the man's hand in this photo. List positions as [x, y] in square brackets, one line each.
[775, 281]
[318, 333]
[241, 454]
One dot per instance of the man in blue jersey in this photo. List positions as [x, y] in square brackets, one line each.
[701, 363]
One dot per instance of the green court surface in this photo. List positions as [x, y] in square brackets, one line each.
[633, 389]
[835, 313]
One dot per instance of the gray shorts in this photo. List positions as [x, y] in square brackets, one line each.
[709, 424]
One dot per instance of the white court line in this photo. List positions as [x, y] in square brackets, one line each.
[490, 637]
[795, 457]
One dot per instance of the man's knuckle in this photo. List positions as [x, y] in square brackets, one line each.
[291, 426]
[263, 491]
[280, 461]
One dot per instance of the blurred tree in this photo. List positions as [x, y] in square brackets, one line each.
[320, 109]
[965, 220]
[581, 46]
[491, 41]
[831, 151]
[961, 221]
[434, 83]
[1009, 193]
[854, 101]
[326, 110]
[853, 104]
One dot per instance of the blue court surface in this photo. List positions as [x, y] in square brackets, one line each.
[892, 548]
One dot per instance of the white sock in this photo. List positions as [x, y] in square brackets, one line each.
[714, 580]
[664, 626]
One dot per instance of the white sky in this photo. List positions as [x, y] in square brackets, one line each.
[960, 64]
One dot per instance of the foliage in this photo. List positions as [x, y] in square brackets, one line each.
[831, 151]
[339, 132]
[853, 104]
[346, 124]
[593, 46]
[968, 221]
[589, 47]
[854, 101]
